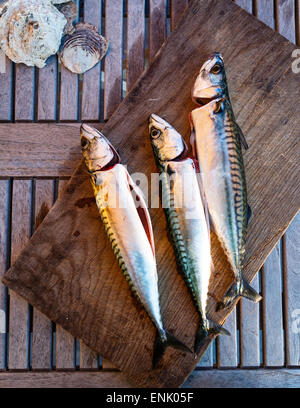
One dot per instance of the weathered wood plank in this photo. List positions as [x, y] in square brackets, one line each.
[135, 40]
[272, 142]
[292, 282]
[177, 9]
[245, 4]
[113, 59]
[5, 92]
[234, 378]
[265, 12]
[4, 217]
[69, 88]
[65, 342]
[286, 19]
[37, 150]
[272, 310]
[207, 360]
[227, 345]
[298, 22]
[24, 93]
[18, 307]
[91, 83]
[41, 327]
[249, 330]
[47, 90]
[88, 358]
[260, 378]
[157, 26]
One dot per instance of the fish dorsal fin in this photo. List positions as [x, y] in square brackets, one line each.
[242, 137]
[142, 211]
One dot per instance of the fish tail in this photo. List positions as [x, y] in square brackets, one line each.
[162, 342]
[243, 289]
[203, 332]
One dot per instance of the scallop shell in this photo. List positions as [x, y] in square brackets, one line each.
[30, 31]
[83, 49]
[70, 11]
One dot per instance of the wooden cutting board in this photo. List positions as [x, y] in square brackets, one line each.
[68, 270]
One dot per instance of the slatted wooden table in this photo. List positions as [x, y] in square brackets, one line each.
[264, 348]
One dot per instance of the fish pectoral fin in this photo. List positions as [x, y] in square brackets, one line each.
[163, 342]
[216, 329]
[142, 211]
[242, 137]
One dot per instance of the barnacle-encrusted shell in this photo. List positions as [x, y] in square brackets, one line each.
[70, 11]
[83, 49]
[30, 31]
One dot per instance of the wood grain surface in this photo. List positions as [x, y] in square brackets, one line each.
[262, 95]
[262, 378]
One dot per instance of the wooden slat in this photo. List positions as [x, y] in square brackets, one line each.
[47, 90]
[65, 342]
[18, 308]
[24, 93]
[260, 378]
[4, 210]
[245, 4]
[272, 310]
[283, 378]
[91, 83]
[41, 332]
[5, 92]
[267, 136]
[69, 91]
[249, 330]
[298, 22]
[35, 150]
[135, 40]
[227, 345]
[286, 19]
[292, 283]
[265, 12]
[88, 358]
[177, 9]
[157, 25]
[207, 360]
[113, 59]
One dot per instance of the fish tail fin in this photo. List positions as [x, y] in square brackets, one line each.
[203, 332]
[243, 289]
[250, 293]
[162, 342]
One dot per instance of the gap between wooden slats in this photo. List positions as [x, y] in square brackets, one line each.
[69, 91]
[4, 263]
[113, 59]
[6, 93]
[42, 326]
[291, 268]
[65, 350]
[21, 229]
[91, 82]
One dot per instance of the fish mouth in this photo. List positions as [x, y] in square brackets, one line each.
[204, 101]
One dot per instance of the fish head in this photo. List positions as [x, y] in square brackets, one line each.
[167, 143]
[212, 112]
[211, 81]
[96, 149]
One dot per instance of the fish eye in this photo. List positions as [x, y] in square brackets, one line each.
[155, 133]
[216, 69]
